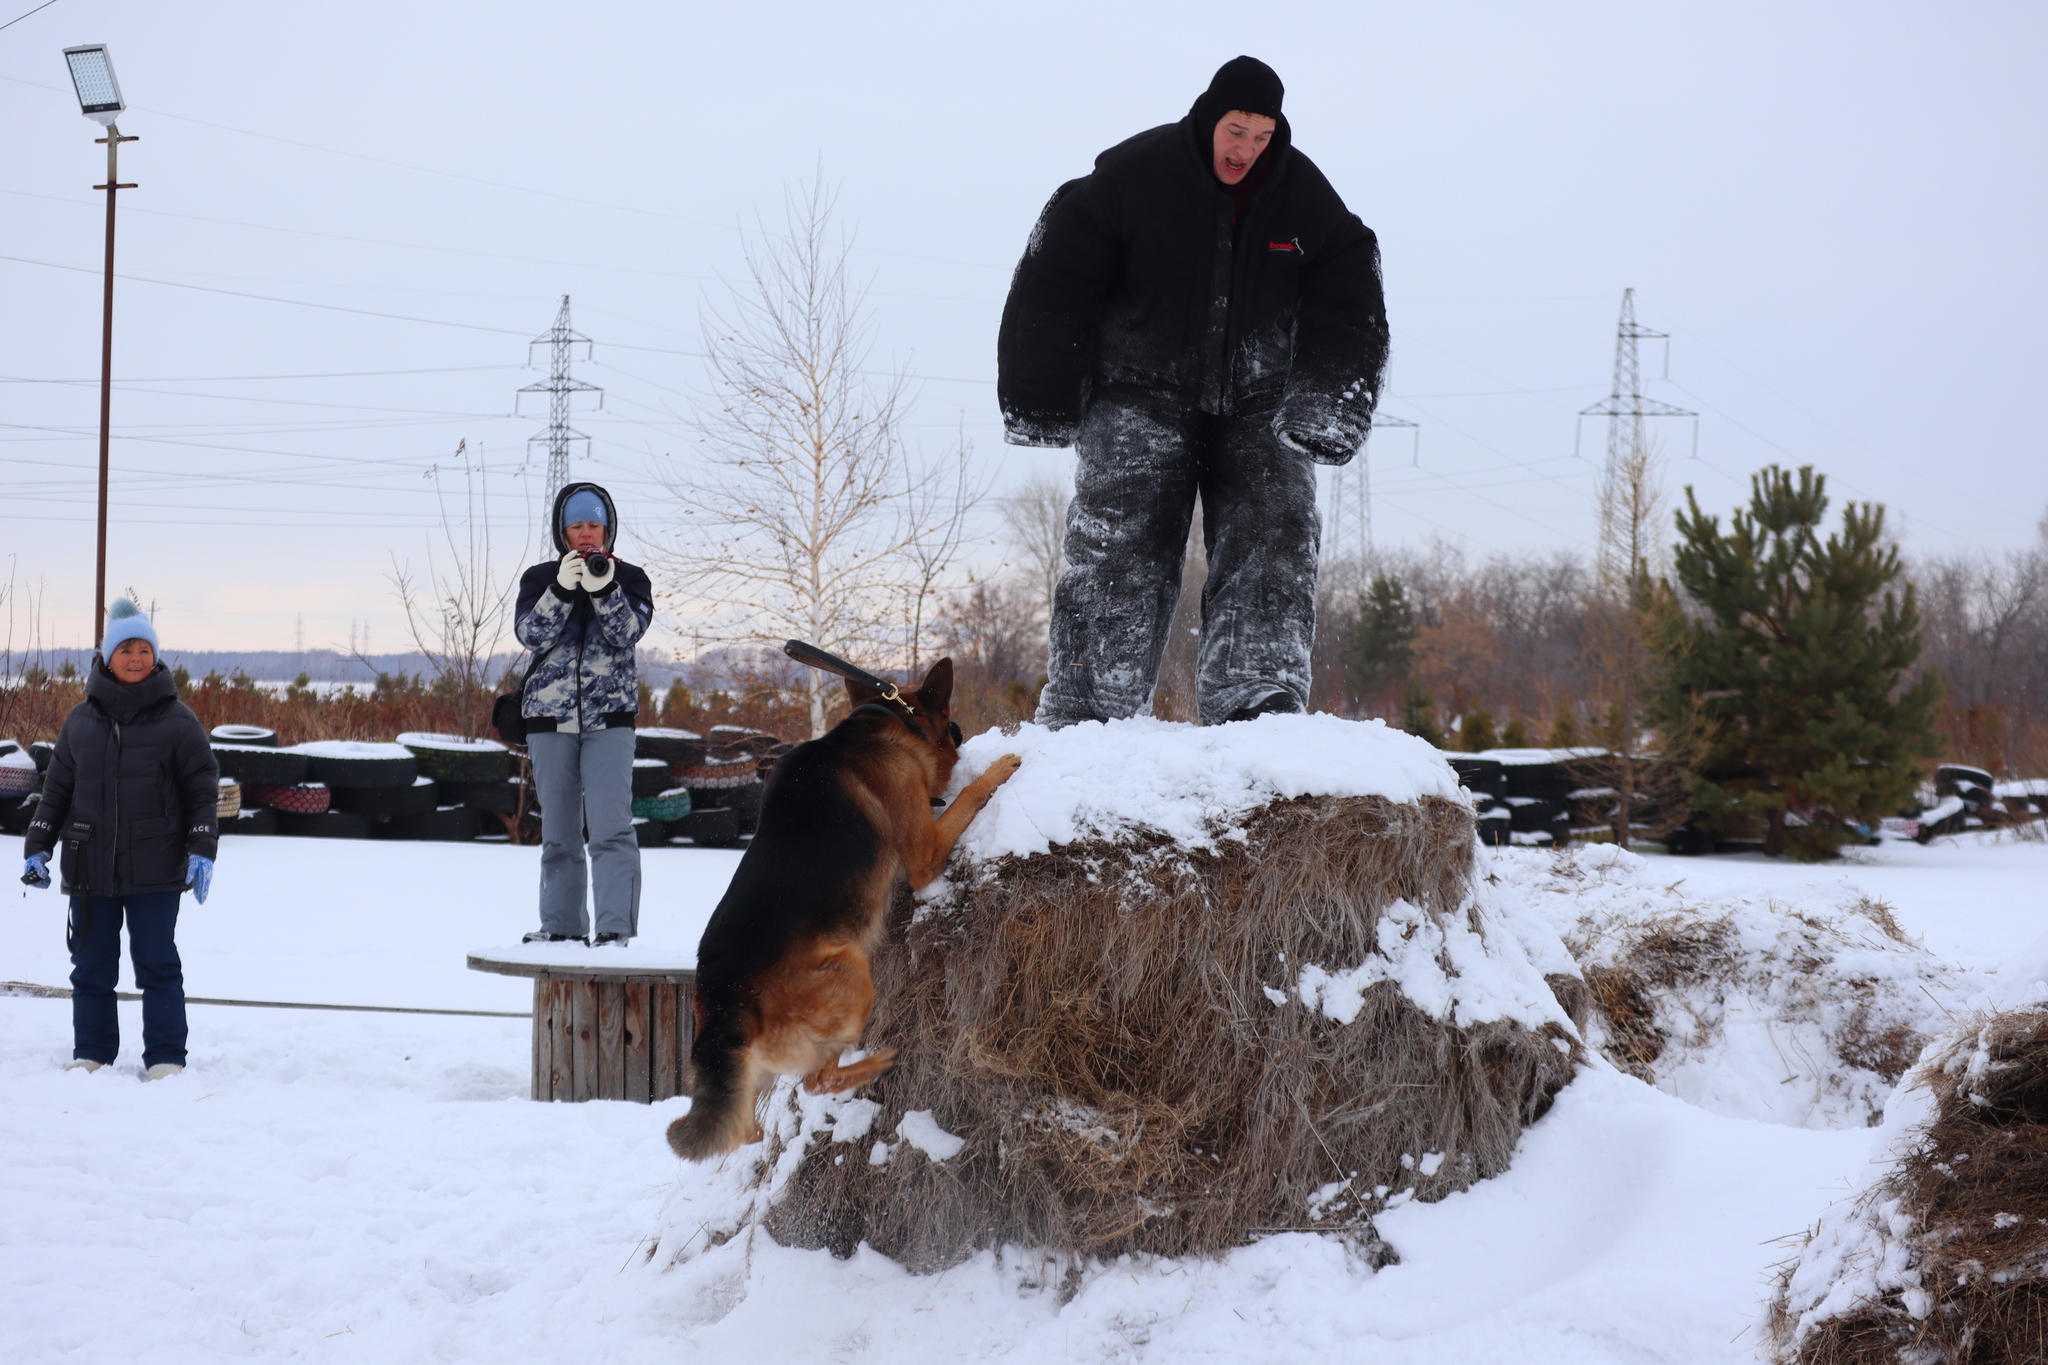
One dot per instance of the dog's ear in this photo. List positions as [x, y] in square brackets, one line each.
[860, 694]
[936, 692]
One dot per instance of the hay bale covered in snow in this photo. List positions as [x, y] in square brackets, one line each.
[1804, 1010]
[1942, 1257]
[1183, 987]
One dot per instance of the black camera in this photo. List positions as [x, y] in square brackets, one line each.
[598, 562]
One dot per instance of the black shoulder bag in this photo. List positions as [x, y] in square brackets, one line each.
[508, 716]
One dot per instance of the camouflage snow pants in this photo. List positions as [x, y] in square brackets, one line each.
[1142, 458]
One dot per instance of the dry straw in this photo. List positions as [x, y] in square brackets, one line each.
[1098, 1025]
[1968, 1204]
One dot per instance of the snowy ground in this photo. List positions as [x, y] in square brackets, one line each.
[375, 1187]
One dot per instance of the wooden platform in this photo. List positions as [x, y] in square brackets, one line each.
[603, 1029]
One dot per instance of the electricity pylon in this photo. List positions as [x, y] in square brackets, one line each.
[1625, 407]
[560, 340]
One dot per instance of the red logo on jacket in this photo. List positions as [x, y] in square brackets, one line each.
[1293, 246]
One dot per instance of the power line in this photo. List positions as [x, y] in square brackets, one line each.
[37, 10]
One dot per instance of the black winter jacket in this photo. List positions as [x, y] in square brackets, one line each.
[1135, 275]
[131, 791]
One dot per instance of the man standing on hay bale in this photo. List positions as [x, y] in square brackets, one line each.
[1201, 315]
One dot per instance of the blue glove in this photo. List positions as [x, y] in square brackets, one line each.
[36, 872]
[199, 876]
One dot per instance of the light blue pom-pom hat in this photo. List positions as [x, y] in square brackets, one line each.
[125, 621]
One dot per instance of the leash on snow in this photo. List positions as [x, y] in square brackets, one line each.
[29, 988]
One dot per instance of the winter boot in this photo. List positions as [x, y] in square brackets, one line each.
[610, 941]
[85, 1064]
[1272, 704]
[161, 1070]
[543, 936]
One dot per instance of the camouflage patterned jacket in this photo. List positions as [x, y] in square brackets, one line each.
[583, 642]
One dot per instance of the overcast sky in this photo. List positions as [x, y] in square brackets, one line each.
[1835, 210]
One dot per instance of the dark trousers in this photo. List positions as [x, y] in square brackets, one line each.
[1142, 458]
[95, 941]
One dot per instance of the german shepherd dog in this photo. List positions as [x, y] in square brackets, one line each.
[783, 972]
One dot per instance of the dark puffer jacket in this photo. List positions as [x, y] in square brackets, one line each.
[131, 791]
[586, 668]
[1136, 274]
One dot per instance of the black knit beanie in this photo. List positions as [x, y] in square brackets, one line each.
[1244, 83]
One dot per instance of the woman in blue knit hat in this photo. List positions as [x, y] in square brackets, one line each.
[132, 794]
[582, 615]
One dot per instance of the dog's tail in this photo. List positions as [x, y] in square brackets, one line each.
[721, 1106]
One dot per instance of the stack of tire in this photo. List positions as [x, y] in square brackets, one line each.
[1487, 780]
[2025, 799]
[266, 778]
[474, 782]
[21, 781]
[1538, 791]
[724, 774]
[660, 804]
[1964, 798]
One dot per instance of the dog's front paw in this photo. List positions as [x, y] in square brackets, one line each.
[1002, 770]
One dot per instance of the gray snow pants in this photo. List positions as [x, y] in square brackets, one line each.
[585, 780]
[1141, 459]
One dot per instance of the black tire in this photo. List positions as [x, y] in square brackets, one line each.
[1493, 832]
[448, 824]
[370, 765]
[16, 812]
[335, 824]
[677, 748]
[1479, 774]
[1954, 779]
[502, 795]
[651, 833]
[254, 820]
[245, 734]
[42, 751]
[385, 803]
[650, 778]
[718, 828]
[251, 763]
[1526, 813]
[450, 758]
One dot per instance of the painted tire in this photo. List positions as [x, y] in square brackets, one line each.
[19, 778]
[251, 763]
[451, 758]
[334, 824]
[304, 798]
[448, 824]
[386, 803]
[230, 799]
[669, 806]
[245, 734]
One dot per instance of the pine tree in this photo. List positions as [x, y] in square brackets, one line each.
[1418, 717]
[1791, 681]
[1379, 647]
[1475, 731]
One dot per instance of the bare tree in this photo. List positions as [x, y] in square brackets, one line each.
[1035, 530]
[1631, 509]
[938, 502]
[794, 522]
[458, 616]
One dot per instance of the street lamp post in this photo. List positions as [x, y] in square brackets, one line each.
[99, 99]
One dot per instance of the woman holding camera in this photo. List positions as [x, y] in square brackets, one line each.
[582, 615]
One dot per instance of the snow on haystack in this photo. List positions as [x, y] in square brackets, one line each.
[1941, 1254]
[1805, 1013]
[1182, 988]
